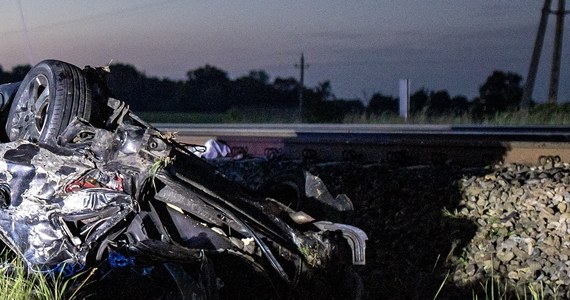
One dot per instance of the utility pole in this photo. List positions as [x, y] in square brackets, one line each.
[302, 67]
[556, 53]
[555, 70]
[529, 85]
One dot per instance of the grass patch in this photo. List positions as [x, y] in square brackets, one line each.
[180, 117]
[16, 283]
[494, 289]
[544, 114]
[234, 115]
[262, 115]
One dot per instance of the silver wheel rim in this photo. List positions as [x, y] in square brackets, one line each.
[31, 114]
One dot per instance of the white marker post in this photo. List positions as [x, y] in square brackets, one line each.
[404, 98]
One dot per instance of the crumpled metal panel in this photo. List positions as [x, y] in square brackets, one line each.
[30, 222]
[316, 188]
[62, 206]
[251, 173]
[256, 173]
[61, 202]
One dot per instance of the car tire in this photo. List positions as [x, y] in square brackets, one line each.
[287, 188]
[50, 96]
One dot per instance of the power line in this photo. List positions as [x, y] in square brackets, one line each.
[26, 35]
[122, 12]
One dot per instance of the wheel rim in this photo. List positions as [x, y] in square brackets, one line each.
[32, 110]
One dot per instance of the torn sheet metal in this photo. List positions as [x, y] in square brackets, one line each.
[316, 188]
[104, 195]
[122, 196]
[259, 175]
[62, 202]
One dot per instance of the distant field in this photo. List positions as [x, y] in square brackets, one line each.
[540, 115]
[180, 117]
[252, 115]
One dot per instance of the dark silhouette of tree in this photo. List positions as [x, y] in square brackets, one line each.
[337, 109]
[380, 104]
[286, 85]
[207, 89]
[252, 90]
[128, 84]
[207, 75]
[142, 93]
[286, 92]
[478, 110]
[418, 101]
[320, 105]
[4, 76]
[460, 105]
[163, 94]
[500, 92]
[324, 91]
[259, 76]
[439, 103]
[17, 74]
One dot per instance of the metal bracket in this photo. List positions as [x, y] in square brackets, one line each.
[355, 237]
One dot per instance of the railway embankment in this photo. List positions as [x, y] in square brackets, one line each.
[467, 228]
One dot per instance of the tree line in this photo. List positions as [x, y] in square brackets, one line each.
[209, 89]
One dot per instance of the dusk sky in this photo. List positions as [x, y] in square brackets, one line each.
[361, 46]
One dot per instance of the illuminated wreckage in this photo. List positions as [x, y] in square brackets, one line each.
[85, 184]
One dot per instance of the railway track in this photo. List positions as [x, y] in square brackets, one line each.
[402, 144]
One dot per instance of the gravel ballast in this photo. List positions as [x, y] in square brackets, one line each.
[522, 215]
[429, 225]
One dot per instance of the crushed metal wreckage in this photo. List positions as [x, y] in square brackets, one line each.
[289, 181]
[86, 184]
[292, 182]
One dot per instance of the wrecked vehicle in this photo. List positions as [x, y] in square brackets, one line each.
[87, 185]
[294, 183]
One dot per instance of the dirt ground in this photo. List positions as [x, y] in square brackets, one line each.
[411, 241]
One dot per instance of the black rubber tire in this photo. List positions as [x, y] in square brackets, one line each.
[287, 188]
[50, 96]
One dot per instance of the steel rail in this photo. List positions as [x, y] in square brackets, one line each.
[408, 144]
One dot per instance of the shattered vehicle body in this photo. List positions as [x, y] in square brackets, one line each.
[291, 182]
[87, 185]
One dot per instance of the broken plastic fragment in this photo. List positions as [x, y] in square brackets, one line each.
[316, 188]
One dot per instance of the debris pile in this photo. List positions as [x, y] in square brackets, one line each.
[523, 218]
[431, 224]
